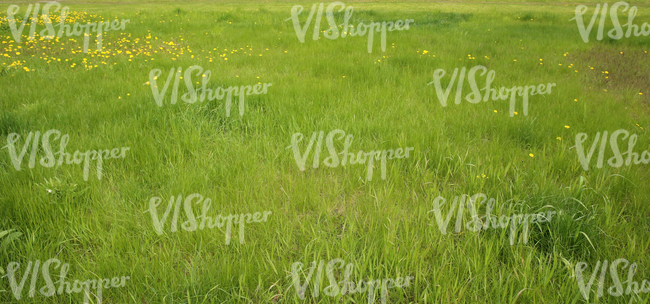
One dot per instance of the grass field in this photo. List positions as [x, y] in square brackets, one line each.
[245, 164]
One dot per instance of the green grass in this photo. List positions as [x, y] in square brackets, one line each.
[242, 163]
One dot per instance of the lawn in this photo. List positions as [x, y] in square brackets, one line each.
[181, 167]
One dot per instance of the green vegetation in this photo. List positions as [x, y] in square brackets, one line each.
[243, 163]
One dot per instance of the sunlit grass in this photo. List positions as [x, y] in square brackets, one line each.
[384, 227]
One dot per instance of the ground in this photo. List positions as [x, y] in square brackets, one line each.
[103, 224]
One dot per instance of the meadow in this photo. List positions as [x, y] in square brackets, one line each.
[102, 227]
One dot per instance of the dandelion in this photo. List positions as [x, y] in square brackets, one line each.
[531, 155]
[559, 138]
[495, 111]
[567, 127]
[516, 113]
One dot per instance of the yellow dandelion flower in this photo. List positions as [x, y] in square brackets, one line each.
[559, 138]
[567, 127]
[531, 155]
[495, 111]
